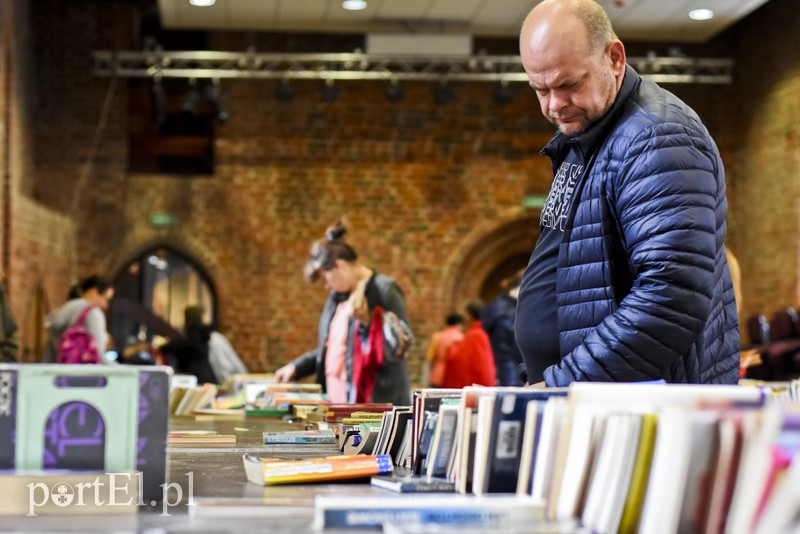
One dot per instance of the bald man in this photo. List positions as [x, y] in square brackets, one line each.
[629, 279]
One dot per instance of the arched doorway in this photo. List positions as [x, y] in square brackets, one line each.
[151, 292]
[494, 256]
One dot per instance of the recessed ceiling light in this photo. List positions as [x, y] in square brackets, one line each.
[202, 3]
[701, 14]
[354, 5]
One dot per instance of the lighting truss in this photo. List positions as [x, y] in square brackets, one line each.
[480, 68]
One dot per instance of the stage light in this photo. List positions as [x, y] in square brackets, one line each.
[284, 91]
[191, 98]
[329, 92]
[502, 93]
[394, 91]
[214, 98]
[443, 93]
[159, 102]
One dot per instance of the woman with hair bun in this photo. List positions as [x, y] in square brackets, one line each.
[363, 330]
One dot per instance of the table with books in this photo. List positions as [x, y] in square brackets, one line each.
[589, 458]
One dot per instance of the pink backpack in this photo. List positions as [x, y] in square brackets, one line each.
[77, 344]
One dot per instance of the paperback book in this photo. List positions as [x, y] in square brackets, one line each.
[488, 511]
[274, 471]
[318, 437]
[410, 483]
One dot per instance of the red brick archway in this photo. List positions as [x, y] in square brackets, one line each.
[489, 256]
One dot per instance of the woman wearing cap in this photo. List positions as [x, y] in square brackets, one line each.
[363, 330]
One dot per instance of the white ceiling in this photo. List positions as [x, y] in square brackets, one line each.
[663, 20]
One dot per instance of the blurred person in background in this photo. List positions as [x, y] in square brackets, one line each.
[363, 331]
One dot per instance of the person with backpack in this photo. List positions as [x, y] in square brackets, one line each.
[78, 328]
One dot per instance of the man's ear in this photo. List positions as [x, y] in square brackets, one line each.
[615, 51]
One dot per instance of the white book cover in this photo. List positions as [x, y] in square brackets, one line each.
[529, 438]
[555, 411]
[611, 476]
[754, 469]
[586, 433]
[481, 453]
[664, 495]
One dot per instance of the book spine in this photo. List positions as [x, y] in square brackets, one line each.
[276, 440]
[327, 469]
[444, 515]
[428, 487]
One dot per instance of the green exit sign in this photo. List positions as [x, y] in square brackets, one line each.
[163, 219]
[533, 202]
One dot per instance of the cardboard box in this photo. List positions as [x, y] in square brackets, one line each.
[110, 418]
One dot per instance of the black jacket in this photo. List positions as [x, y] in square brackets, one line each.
[391, 382]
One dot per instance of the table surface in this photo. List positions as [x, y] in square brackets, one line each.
[213, 478]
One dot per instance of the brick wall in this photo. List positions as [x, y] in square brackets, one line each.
[763, 163]
[38, 242]
[424, 186]
[419, 183]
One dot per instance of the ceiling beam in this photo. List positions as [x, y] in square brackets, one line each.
[479, 68]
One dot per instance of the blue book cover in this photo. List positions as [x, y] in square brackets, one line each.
[410, 483]
[322, 437]
[505, 439]
[453, 510]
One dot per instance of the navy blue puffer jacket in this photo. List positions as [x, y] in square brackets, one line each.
[643, 286]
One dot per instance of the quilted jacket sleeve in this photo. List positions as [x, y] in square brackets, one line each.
[663, 187]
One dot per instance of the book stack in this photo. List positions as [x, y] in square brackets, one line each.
[274, 401]
[633, 458]
[337, 413]
[184, 401]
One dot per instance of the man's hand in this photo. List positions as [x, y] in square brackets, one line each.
[285, 373]
[538, 385]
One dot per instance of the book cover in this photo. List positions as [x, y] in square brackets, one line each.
[553, 416]
[427, 401]
[668, 473]
[760, 432]
[729, 438]
[780, 509]
[268, 471]
[86, 417]
[583, 433]
[488, 511]
[399, 434]
[508, 425]
[443, 441]
[423, 448]
[362, 442]
[321, 437]
[411, 483]
[480, 453]
[530, 445]
[632, 509]
[200, 437]
[218, 415]
[702, 461]
[268, 412]
[611, 476]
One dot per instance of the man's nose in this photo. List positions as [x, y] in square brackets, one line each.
[558, 101]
